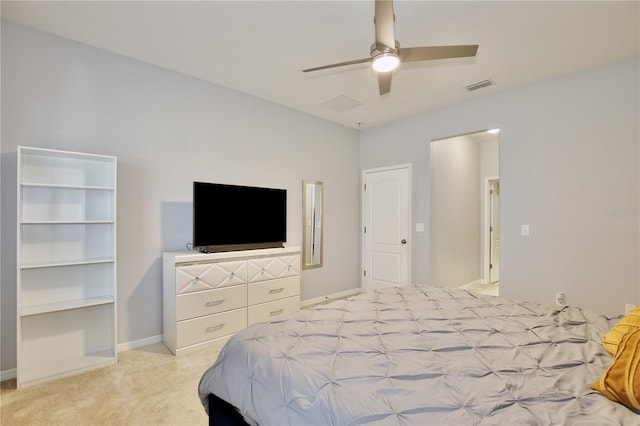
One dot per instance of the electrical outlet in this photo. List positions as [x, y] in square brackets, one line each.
[628, 308]
[561, 299]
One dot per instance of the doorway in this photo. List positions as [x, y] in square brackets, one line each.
[386, 244]
[464, 212]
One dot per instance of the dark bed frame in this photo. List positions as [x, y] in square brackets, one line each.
[221, 413]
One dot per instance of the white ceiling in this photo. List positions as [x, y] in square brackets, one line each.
[261, 47]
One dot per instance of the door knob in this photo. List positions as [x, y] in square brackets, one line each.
[404, 241]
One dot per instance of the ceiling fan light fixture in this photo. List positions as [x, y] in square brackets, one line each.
[385, 62]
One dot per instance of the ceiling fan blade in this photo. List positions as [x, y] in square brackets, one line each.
[340, 64]
[385, 33]
[384, 82]
[412, 54]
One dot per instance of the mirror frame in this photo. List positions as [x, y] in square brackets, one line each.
[306, 237]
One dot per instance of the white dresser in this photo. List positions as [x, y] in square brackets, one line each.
[209, 297]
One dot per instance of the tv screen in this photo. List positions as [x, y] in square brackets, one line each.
[228, 217]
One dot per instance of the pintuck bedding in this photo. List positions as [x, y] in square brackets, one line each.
[421, 356]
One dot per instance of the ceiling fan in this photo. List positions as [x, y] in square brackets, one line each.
[386, 53]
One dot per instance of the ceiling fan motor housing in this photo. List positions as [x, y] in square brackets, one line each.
[383, 58]
[377, 49]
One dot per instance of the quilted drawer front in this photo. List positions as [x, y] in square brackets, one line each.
[193, 305]
[272, 310]
[269, 268]
[267, 291]
[210, 327]
[208, 276]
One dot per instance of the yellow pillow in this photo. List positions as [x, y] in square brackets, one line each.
[627, 324]
[621, 382]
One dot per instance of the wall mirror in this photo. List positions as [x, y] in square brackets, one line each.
[312, 194]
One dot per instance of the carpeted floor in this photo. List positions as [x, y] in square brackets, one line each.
[148, 386]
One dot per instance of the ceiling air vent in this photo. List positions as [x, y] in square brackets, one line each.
[341, 103]
[479, 85]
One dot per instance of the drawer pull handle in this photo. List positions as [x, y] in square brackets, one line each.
[215, 327]
[196, 279]
[276, 290]
[278, 312]
[289, 267]
[214, 302]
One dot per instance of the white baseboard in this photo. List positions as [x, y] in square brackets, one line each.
[127, 346]
[8, 374]
[471, 284]
[329, 297]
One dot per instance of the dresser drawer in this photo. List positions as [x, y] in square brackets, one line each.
[199, 304]
[269, 268]
[207, 276]
[210, 327]
[267, 291]
[272, 310]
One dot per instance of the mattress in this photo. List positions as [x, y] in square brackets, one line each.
[419, 355]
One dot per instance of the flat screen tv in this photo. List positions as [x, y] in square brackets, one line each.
[232, 217]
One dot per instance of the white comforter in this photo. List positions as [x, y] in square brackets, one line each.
[425, 355]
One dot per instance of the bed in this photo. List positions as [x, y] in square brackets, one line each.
[417, 355]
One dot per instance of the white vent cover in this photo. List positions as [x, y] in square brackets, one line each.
[341, 103]
[479, 85]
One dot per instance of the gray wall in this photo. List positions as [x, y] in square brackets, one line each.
[569, 161]
[455, 212]
[167, 131]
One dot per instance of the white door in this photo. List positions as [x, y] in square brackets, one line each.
[386, 228]
[494, 251]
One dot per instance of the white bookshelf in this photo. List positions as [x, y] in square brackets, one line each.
[66, 252]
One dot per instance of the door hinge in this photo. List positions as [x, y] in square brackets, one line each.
[491, 266]
[491, 192]
[491, 229]
[365, 186]
[365, 229]
[365, 272]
